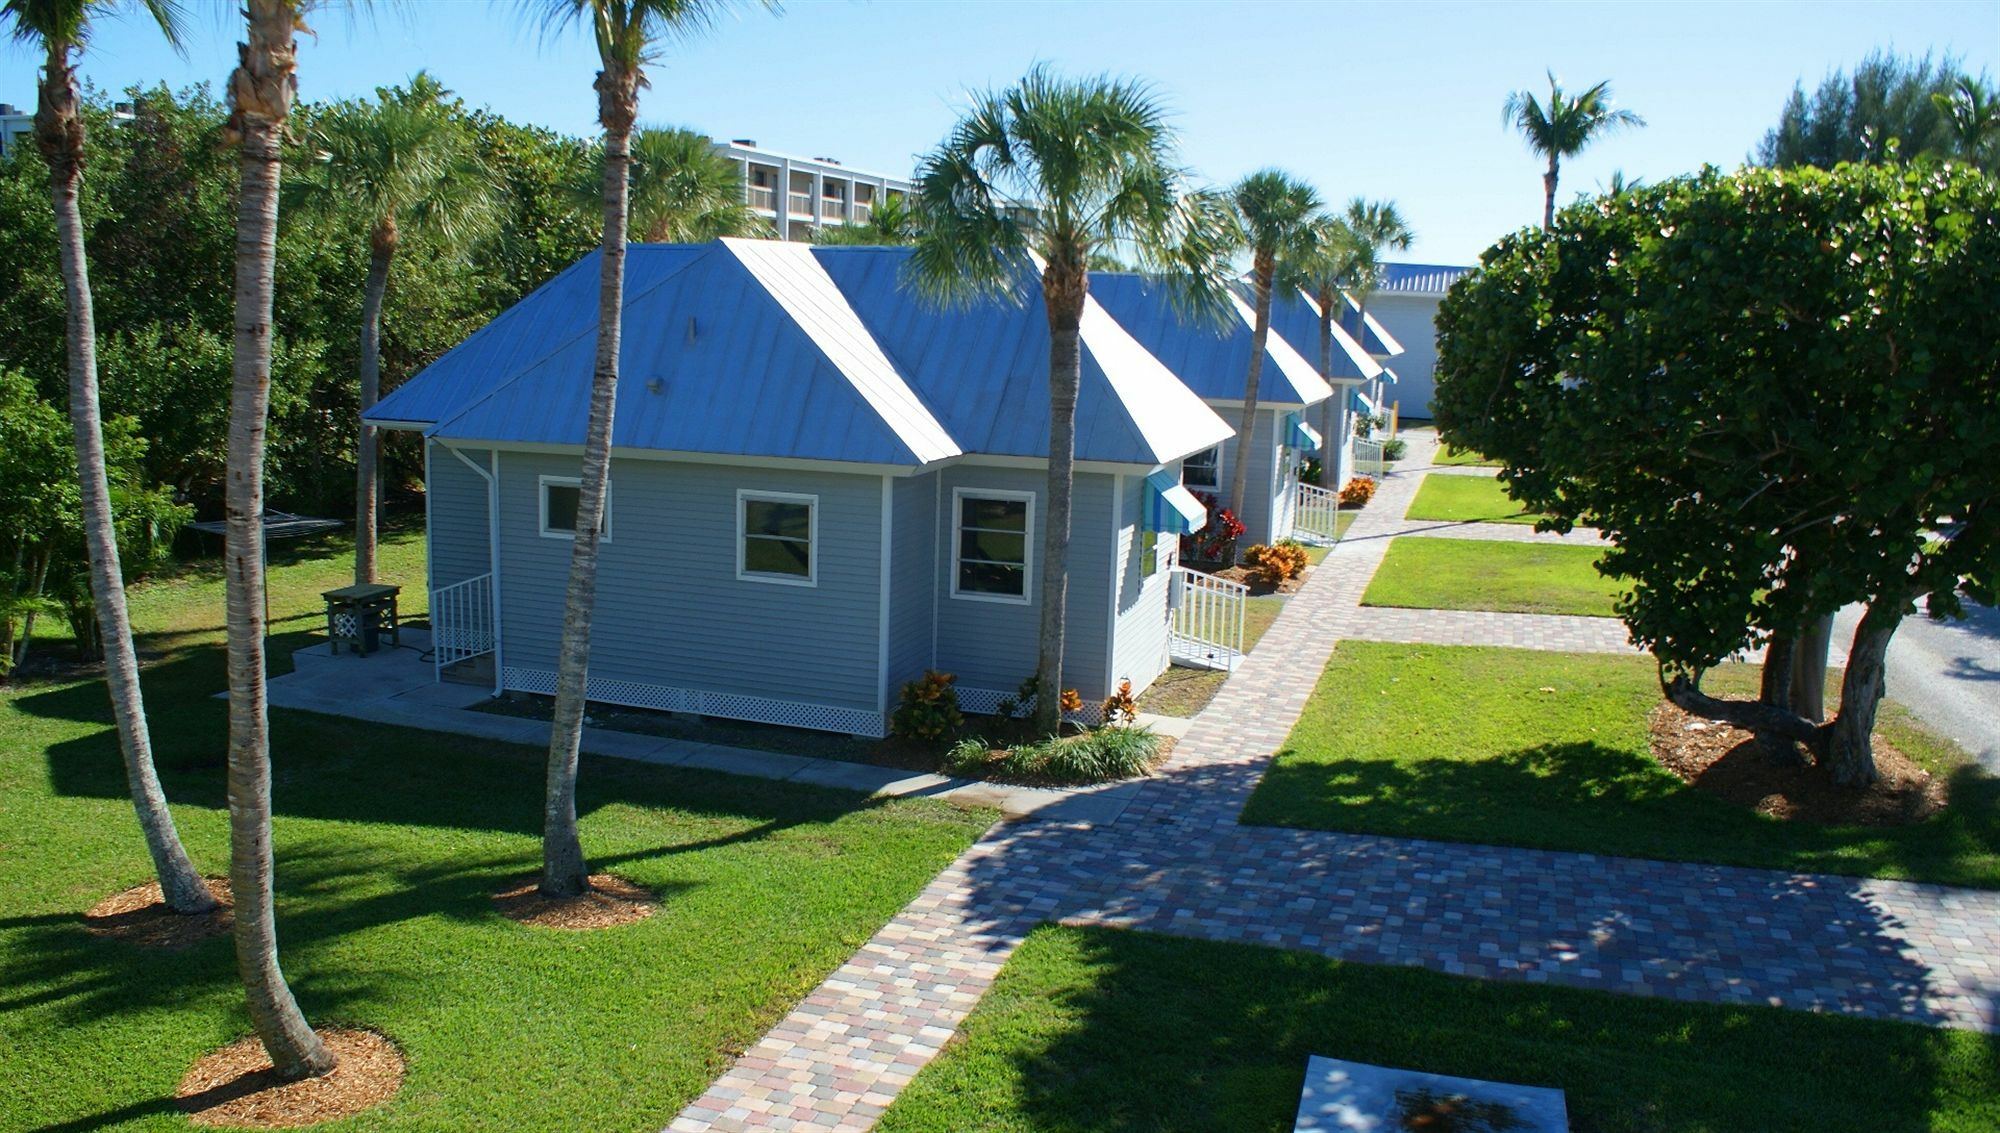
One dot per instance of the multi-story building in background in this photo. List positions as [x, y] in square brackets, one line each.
[799, 194]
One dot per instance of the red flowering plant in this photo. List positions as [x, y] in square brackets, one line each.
[1216, 541]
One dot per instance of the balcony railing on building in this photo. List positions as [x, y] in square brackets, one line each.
[832, 209]
[801, 204]
[762, 197]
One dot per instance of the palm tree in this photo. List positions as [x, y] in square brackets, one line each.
[683, 192]
[1973, 113]
[61, 28]
[1038, 178]
[1279, 215]
[409, 169]
[1324, 268]
[1373, 227]
[629, 35]
[260, 101]
[891, 220]
[1562, 127]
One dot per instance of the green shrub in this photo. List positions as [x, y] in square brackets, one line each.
[1394, 448]
[928, 709]
[968, 756]
[1096, 756]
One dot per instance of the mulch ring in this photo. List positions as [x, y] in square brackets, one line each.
[235, 1087]
[139, 916]
[611, 901]
[1724, 760]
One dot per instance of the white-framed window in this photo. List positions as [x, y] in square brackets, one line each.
[991, 554]
[1203, 469]
[776, 533]
[561, 498]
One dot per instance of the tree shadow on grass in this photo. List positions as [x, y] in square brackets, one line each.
[1101, 1029]
[1598, 798]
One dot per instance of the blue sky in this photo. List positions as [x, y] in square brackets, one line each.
[1384, 100]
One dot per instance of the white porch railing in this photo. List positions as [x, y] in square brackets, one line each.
[1317, 519]
[462, 621]
[763, 197]
[801, 204]
[1368, 460]
[1205, 620]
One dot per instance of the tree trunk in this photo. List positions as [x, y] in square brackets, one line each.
[260, 95]
[382, 248]
[1065, 283]
[1850, 738]
[1751, 715]
[59, 130]
[1329, 447]
[37, 588]
[1775, 690]
[1263, 267]
[1808, 668]
[1549, 189]
[564, 872]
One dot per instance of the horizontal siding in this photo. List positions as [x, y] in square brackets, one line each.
[456, 498]
[670, 609]
[993, 645]
[1140, 635]
[913, 578]
[1262, 510]
[1413, 320]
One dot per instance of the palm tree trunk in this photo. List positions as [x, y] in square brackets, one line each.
[1850, 737]
[1263, 269]
[1065, 284]
[261, 94]
[59, 130]
[382, 248]
[1549, 195]
[1329, 452]
[564, 872]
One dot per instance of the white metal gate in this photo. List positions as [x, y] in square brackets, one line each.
[1205, 620]
[1317, 517]
[462, 621]
[1368, 460]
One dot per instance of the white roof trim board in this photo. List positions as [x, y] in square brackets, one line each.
[801, 286]
[1388, 340]
[1304, 378]
[1344, 341]
[1170, 418]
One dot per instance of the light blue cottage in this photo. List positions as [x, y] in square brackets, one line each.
[820, 488]
[1360, 346]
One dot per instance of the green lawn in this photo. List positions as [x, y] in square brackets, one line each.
[389, 843]
[1446, 455]
[1526, 748]
[1480, 574]
[1184, 692]
[1101, 1029]
[1460, 499]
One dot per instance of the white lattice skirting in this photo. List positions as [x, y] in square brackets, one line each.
[986, 702]
[728, 705]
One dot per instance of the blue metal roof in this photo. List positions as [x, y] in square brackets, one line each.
[983, 369]
[1297, 318]
[1419, 279]
[546, 319]
[784, 351]
[1211, 358]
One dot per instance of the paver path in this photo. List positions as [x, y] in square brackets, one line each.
[1177, 861]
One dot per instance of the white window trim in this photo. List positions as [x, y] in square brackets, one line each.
[542, 504]
[743, 498]
[1027, 595]
[1214, 487]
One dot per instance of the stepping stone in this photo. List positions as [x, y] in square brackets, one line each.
[1354, 1097]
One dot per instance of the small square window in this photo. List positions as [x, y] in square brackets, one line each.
[562, 499]
[776, 532]
[1203, 469]
[990, 558]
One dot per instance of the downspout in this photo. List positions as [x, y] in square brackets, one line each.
[882, 630]
[492, 546]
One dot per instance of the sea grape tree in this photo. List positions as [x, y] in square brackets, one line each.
[1776, 392]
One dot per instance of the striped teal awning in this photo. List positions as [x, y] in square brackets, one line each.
[1300, 435]
[1170, 507]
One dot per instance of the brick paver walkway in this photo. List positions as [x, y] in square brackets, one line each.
[1177, 861]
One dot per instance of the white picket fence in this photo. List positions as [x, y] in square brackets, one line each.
[1368, 459]
[1316, 519]
[1205, 620]
[462, 621]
